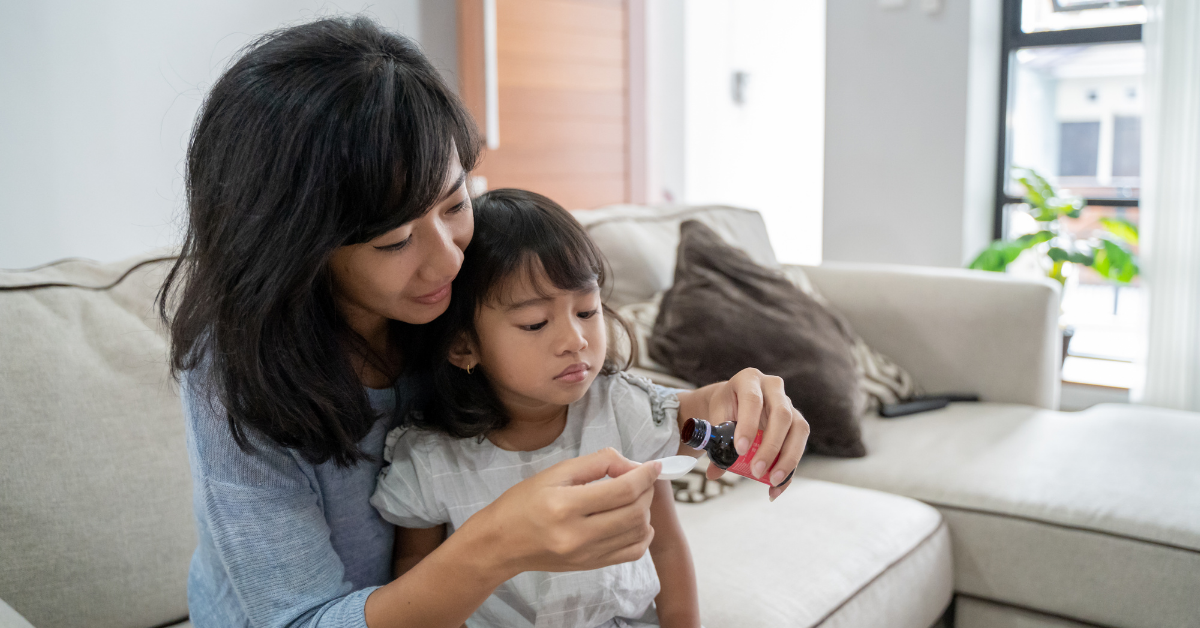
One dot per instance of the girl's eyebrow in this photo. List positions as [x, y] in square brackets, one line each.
[542, 299]
[527, 302]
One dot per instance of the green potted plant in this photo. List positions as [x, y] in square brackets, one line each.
[1108, 250]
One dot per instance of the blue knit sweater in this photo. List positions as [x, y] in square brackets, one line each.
[282, 542]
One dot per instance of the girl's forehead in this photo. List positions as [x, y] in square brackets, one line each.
[532, 285]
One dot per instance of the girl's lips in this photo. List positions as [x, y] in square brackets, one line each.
[435, 296]
[573, 374]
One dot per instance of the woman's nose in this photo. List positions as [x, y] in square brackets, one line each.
[443, 258]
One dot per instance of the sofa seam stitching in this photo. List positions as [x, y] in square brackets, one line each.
[1066, 526]
[941, 524]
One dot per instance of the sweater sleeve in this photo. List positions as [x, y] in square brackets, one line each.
[265, 556]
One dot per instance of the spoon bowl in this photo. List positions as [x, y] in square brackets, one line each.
[675, 467]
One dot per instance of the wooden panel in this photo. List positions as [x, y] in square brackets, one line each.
[572, 192]
[510, 162]
[471, 87]
[556, 74]
[562, 15]
[521, 40]
[563, 83]
[524, 102]
[548, 133]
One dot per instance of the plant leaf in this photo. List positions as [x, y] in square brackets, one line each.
[1121, 228]
[1000, 253]
[1115, 262]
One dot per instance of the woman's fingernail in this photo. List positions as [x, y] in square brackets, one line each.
[742, 445]
[758, 468]
[773, 496]
[776, 477]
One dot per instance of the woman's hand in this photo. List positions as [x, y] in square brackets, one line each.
[557, 521]
[757, 402]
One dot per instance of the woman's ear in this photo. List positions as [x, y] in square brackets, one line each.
[463, 353]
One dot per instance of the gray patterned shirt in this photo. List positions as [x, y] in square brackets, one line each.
[434, 479]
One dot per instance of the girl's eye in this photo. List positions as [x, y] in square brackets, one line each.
[588, 314]
[395, 247]
[534, 327]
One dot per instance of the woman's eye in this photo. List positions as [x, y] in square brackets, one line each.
[395, 247]
[534, 327]
[460, 207]
[588, 314]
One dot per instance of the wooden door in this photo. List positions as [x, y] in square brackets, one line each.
[561, 71]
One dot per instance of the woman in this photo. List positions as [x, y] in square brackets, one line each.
[327, 217]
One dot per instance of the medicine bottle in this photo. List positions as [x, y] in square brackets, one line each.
[718, 442]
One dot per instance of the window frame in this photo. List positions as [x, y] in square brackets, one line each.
[1012, 39]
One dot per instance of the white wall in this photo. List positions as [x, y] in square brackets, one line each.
[767, 152]
[98, 101]
[764, 154]
[910, 102]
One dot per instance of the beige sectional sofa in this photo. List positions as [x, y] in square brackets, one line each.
[1033, 517]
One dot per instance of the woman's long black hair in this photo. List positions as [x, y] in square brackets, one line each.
[318, 136]
[516, 233]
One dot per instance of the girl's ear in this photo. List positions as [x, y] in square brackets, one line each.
[463, 353]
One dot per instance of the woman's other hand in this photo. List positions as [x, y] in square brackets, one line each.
[757, 402]
[558, 520]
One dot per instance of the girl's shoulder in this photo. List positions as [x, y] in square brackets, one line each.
[629, 394]
[411, 441]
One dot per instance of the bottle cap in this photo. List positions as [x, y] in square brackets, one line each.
[695, 433]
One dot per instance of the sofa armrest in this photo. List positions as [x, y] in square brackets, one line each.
[955, 330]
[10, 618]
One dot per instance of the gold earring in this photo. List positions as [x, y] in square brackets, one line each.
[469, 367]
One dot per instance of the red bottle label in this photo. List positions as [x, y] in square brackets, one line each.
[741, 466]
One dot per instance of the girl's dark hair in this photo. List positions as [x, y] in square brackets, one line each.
[318, 136]
[516, 232]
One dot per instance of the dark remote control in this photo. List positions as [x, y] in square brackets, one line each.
[923, 403]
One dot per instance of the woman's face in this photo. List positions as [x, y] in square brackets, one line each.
[405, 274]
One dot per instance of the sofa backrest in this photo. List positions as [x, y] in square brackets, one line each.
[96, 523]
[640, 242]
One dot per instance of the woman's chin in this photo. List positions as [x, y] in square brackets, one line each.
[415, 313]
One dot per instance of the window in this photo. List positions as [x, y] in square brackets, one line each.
[1078, 149]
[1071, 93]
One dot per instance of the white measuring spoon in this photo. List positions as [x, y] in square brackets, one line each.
[675, 467]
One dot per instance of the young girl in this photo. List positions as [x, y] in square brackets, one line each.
[527, 379]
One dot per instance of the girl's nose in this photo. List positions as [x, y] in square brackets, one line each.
[572, 339]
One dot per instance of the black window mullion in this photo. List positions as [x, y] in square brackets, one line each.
[1013, 38]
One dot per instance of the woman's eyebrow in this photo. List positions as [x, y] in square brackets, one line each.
[462, 178]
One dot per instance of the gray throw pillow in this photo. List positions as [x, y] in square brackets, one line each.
[725, 313]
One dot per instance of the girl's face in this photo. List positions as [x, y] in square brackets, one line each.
[539, 350]
[405, 274]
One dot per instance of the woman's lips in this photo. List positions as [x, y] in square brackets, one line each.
[573, 374]
[434, 297]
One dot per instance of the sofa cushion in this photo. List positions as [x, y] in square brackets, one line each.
[95, 495]
[838, 556]
[724, 313]
[639, 243]
[1091, 516]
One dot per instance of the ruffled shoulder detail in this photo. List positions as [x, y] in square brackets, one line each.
[664, 403]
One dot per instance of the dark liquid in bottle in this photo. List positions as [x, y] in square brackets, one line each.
[718, 442]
